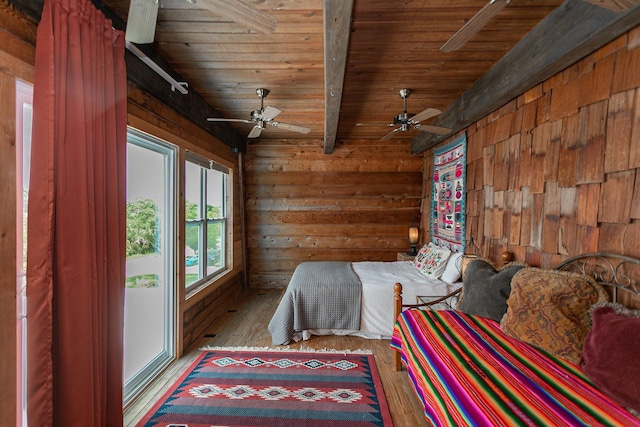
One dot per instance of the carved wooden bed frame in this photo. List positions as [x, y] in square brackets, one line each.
[615, 272]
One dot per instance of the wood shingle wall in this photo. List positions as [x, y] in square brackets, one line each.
[302, 205]
[556, 172]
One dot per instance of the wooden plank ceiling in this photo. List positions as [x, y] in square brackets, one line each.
[391, 45]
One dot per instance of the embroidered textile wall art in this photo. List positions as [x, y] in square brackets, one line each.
[449, 195]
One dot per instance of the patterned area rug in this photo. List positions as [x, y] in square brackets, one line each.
[237, 387]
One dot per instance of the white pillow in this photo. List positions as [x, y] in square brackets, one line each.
[432, 260]
[452, 271]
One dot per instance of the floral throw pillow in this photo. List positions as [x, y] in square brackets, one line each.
[419, 259]
[432, 260]
[550, 310]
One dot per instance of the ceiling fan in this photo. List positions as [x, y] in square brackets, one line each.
[491, 9]
[141, 22]
[262, 117]
[405, 120]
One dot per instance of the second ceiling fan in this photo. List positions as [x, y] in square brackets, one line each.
[406, 121]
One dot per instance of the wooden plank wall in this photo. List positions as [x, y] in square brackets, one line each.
[302, 205]
[556, 171]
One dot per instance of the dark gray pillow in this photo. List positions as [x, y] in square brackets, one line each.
[485, 289]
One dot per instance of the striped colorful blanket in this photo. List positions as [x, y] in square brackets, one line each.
[468, 373]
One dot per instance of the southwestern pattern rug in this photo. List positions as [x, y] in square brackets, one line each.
[258, 387]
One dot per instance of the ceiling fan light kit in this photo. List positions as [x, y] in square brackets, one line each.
[262, 117]
[406, 121]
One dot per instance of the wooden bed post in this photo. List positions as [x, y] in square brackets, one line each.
[397, 309]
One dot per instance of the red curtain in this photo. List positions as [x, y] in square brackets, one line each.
[76, 228]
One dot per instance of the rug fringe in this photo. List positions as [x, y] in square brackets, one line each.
[288, 349]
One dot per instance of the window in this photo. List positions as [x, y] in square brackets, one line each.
[149, 319]
[24, 110]
[206, 219]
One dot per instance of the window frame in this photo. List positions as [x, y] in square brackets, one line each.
[203, 222]
[135, 385]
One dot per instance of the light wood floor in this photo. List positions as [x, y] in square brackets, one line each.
[245, 324]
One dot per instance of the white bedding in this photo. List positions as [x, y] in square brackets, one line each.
[378, 279]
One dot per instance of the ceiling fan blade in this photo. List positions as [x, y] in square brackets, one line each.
[474, 25]
[375, 124]
[294, 128]
[434, 129]
[141, 22]
[219, 119]
[255, 132]
[270, 113]
[390, 134]
[426, 114]
[243, 14]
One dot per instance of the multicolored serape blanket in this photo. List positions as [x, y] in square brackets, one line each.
[467, 372]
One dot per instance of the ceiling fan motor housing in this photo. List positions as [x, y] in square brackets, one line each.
[402, 120]
[256, 116]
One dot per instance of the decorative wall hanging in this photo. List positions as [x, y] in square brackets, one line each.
[449, 195]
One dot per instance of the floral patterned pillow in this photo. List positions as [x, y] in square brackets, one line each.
[550, 310]
[432, 260]
[422, 253]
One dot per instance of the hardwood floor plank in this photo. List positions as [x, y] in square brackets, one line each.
[245, 324]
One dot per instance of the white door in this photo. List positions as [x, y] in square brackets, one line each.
[150, 276]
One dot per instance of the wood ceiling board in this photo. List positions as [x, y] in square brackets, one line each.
[180, 48]
[408, 56]
[571, 32]
[392, 45]
[242, 38]
[191, 105]
[211, 25]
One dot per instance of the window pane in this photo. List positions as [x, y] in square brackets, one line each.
[214, 246]
[193, 191]
[215, 196]
[145, 268]
[24, 110]
[205, 246]
[149, 294]
[193, 271]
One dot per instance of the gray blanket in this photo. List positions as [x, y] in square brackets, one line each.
[320, 295]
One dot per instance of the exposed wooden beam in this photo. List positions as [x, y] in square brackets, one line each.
[571, 32]
[337, 27]
[191, 105]
[615, 5]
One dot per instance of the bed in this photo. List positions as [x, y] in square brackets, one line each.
[351, 298]
[472, 370]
